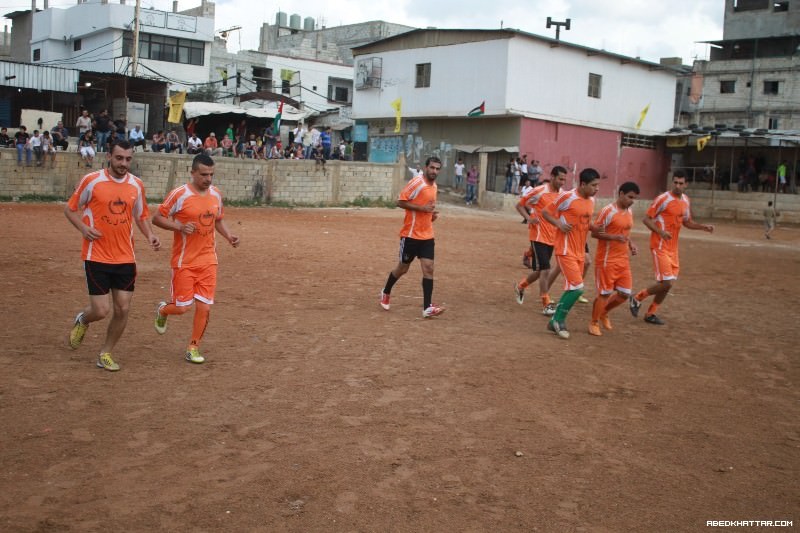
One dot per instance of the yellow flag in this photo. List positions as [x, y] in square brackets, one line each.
[398, 106]
[176, 107]
[642, 115]
[702, 142]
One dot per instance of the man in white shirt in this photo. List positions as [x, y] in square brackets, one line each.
[459, 166]
[136, 137]
[194, 145]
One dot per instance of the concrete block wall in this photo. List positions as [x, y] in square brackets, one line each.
[290, 181]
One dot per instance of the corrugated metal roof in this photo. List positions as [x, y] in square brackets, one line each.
[28, 76]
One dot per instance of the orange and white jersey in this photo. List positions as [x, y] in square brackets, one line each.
[186, 205]
[614, 221]
[418, 224]
[669, 213]
[576, 211]
[537, 201]
[111, 206]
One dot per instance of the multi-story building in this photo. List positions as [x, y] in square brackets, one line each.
[556, 102]
[752, 77]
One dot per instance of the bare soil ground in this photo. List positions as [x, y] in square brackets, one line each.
[319, 411]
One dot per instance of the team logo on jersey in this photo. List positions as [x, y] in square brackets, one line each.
[117, 206]
[206, 219]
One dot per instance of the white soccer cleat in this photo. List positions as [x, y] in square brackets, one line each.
[432, 310]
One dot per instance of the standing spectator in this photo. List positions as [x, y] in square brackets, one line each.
[299, 132]
[60, 134]
[348, 151]
[516, 178]
[136, 138]
[472, 184]
[48, 148]
[241, 130]
[523, 170]
[459, 168]
[191, 127]
[159, 142]
[121, 127]
[325, 140]
[211, 146]
[770, 216]
[83, 123]
[86, 147]
[535, 173]
[22, 142]
[308, 147]
[194, 145]
[315, 135]
[782, 177]
[36, 146]
[174, 142]
[5, 140]
[102, 125]
[230, 132]
[342, 149]
[509, 176]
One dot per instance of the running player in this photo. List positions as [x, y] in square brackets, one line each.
[418, 198]
[571, 214]
[667, 213]
[104, 207]
[541, 234]
[193, 212]
[613, 267]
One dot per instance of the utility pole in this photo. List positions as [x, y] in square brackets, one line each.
[135, 54]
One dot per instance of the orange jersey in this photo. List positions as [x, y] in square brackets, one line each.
[185, 205]
[569, 207]
[614, 221]
[418, 224]
[537, 200]
[111, 206]
[669, 213]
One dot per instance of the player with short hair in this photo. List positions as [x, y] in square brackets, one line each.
[612, 263]
[571, 214]
[542, 235]
[418, 198]
[193, 212]
[104, 208]
[668, 212]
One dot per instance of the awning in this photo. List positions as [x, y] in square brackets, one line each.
[199, 109]
[473, 148]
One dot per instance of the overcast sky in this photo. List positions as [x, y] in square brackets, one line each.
[649, 29]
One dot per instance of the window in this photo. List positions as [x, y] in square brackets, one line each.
[286, 86]
[37, 54]
[633, 140]
[780, 6]
[423, 75]
[771, 87]
[727, 86]
[163, 48]
[76, 45]
[773, 123]
[340, 94]
[595, 81]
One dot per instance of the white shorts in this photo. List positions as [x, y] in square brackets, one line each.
[87, 151]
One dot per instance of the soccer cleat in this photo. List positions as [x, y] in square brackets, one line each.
[594, 329]
[635, 305]
[78, 332]
[193, 355]
[653, 319]
[606, 322]
[432, 310]
[549, 309]
[385, 300]
[559, 328]
[161, 320]
[519, 293]
[582, 300]
[105, 361]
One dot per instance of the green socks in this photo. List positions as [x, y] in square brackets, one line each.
[565, 303]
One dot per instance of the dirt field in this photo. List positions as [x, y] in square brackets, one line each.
[319, 411]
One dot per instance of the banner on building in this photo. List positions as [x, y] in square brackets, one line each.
[176, 102]
[398, 114]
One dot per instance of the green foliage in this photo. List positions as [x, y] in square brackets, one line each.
[203, 93]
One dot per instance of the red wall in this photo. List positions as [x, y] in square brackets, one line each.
[579, 147]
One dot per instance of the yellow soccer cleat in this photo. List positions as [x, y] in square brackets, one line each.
[78, 332]
[106, 362]
[193, 355]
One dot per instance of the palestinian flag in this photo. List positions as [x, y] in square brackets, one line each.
[478, 111]
[276, 124]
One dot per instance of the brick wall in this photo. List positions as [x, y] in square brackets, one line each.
[295, 182]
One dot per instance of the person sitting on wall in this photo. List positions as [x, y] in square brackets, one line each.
[174, 143]
[5, 140]
[60, 136]
[211, 146]
[136, 138]
[227, 146]
[194, 145]
[159, 141]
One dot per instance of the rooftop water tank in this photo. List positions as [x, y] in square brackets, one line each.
[308, 24]
[281, 19]
[294, 21]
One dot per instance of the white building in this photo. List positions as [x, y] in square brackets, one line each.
[98, 36]
[556, 102]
